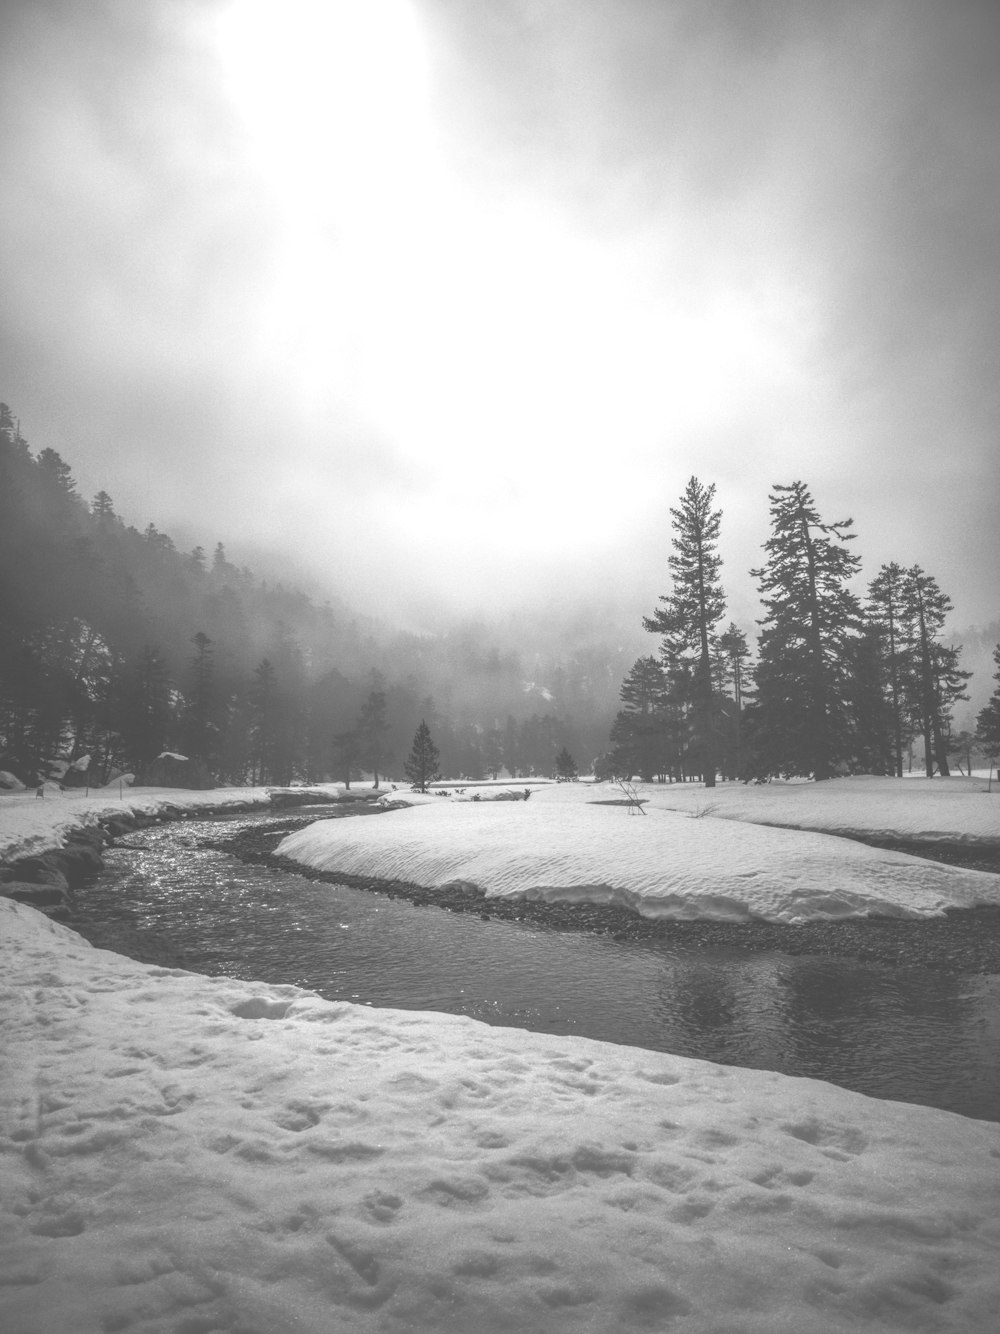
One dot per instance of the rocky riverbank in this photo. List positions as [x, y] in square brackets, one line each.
[966, 941]
[46, 880]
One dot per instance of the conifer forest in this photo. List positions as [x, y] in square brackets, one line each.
[120, 653]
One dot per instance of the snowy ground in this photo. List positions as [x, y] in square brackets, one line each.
[956, 809]
[184, 1155]
[693, 854]
[189, 1155]
[29, 825]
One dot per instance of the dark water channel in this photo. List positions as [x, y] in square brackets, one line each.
[916, 1035]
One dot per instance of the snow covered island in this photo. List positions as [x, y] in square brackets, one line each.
[192, 1154]
[721, 854]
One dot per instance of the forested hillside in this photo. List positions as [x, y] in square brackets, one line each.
[116, 645]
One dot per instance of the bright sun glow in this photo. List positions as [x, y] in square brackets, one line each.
[484, 339]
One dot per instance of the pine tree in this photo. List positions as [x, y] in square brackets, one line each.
[732, 654]
[103, 509]
[988, 720]
[264, 723]
[877, 744]
[492, 752]
[937, 681]
[421, 767]
[689, 614]
[566, 769]
[511, 746]
[199, 730]
[886, 616]
[346, 749]
[146, 711]
[638, 734]
[801, 719]
[372, 727]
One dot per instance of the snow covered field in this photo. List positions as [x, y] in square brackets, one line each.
[957, 809]
[183, 1155]
[188, 1154]
[681, 859]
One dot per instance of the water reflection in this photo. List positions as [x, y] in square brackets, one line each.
[914, 1035]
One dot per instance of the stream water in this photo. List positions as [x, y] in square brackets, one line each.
[911, 1034]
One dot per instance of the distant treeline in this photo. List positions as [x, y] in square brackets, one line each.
[116, 645]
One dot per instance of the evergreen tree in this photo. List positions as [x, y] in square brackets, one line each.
[733, 652]
[937, 681]
[346, 750]
[421, 767]
[639, 734]
[802, 721]
[566, 769]
[372, 727]
[512, 746]
[291, 704]
[886, 617]
[689, 614]
[146, 711]
[264, 723]
[988, 720]
[492, 752]
[199, 728]
[103, 510]
[877, 738]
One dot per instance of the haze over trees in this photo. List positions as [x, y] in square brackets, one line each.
[117, 648]
[115, 644]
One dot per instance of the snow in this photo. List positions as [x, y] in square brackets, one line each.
[694, 854]
[183, 1155]
[955, 809]
[190, 1154]
[29, 826]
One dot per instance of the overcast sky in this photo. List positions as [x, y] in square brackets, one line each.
[446, 300]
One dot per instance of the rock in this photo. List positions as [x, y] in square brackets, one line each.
[116, 826]
[80, 861]
[40, 870]
[42, 897]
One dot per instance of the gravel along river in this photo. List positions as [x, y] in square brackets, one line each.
[925, 1032]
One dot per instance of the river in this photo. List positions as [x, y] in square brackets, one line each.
[918, 1035]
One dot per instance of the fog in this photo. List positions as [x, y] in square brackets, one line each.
[439, 304]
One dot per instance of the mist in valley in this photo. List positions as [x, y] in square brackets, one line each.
[429, 311]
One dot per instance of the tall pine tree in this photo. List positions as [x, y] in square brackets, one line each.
[802, 718]
[372, 728]
[689, 614]
[146, 713]
[421, 767]
[936, 679]
[886, 615]
[199, 729]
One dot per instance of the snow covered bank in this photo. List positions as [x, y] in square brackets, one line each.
[29, 825]
[181, 1153]
[918, 809]
[560, 846]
